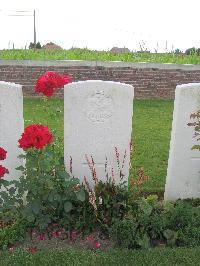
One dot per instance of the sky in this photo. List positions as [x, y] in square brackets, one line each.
[154, 25]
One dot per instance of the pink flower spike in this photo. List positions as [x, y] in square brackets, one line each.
[97, 245]
[41, 237]
[89, 238]
[73, 234]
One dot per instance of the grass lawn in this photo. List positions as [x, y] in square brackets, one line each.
[160, 257]
[86, 54]
[151, 133]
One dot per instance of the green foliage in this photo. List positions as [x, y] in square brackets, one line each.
[133, 230]
[152, 223]
[193, 51]
[12, 233]
[112, 203]
[189, 236]
[123, 233]
[37, 46]
[178, 51]
[86, 54]
[53, 196]
[45, 192]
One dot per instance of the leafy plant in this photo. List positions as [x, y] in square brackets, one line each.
[45, 192]
[189, 236]
[152, 223]
[108, 199]
[112, 202]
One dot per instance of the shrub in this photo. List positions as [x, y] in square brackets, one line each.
[154, 223]
[45, 192]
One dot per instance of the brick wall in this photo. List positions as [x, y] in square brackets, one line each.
[150, 80]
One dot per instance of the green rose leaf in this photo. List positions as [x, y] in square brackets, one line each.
[21, 156]
[35, 206]
[57, 197]
[20, 168]
[68, 206]
[144, 241]
[30, 218]
[12, 191]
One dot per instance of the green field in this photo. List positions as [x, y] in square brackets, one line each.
[151, 133]
[159, 257]
[85, 54]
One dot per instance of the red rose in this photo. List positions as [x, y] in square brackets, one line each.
[2, 154]
[50, 82]
[3, 171]
[35, 136]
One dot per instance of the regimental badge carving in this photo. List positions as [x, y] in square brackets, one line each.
[98, 107]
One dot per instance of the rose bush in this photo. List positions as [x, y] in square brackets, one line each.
[45, 193]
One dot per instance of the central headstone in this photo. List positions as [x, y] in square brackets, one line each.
[11, 126]
[97, 129]
[183, 173]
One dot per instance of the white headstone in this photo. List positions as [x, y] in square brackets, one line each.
[183, 174]
[11, 126]
[98, 125]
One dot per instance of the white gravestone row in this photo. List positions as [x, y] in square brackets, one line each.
[11, 126]
[97, 133]
[183, 174]
[97, 129]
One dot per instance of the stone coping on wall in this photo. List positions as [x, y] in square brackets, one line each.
[108, 64]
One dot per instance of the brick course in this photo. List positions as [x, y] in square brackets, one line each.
[150, 80]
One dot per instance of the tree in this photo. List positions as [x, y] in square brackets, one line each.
[192, 51]
[38, 45]
[32, 45]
